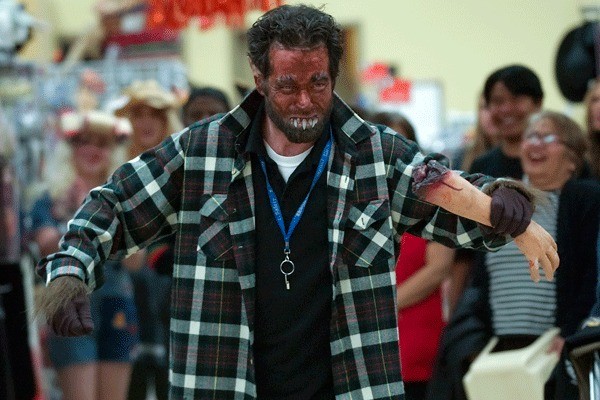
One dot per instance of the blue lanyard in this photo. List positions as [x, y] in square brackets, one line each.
[275, 203]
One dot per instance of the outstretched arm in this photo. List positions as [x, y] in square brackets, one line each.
[136, 206]
[440, 186]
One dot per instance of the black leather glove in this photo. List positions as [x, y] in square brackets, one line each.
[510, 213]
[74, 319]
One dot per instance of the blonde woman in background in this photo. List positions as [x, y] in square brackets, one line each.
[95, 366]
[153, 112]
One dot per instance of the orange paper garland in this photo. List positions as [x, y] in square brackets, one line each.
[175, 14]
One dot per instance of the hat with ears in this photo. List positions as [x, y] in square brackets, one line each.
[72, 123]
[147, 92]
[576, 60]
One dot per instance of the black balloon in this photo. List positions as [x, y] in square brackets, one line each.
[576, 61]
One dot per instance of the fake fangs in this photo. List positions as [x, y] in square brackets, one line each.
[304, 122]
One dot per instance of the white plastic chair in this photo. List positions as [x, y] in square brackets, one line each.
[512, 374]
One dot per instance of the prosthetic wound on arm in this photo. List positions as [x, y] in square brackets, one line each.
[511, 213]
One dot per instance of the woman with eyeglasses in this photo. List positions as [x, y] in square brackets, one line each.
[518, 310]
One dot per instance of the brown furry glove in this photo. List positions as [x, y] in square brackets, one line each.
[66, 306]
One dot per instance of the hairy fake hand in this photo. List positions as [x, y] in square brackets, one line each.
[66, 307]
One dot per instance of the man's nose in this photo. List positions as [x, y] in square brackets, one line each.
[304, 99]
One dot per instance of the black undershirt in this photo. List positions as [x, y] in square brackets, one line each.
[292, 356]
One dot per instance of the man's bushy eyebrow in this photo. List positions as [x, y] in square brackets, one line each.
[292, 78]
[286, 79]
[319, 76]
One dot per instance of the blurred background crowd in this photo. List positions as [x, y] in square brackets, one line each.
[507, 89]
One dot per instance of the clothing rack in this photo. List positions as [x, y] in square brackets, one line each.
[60, 85]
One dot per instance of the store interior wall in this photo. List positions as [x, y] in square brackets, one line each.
[455, 42]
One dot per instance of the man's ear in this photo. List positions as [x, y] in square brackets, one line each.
[258, 77]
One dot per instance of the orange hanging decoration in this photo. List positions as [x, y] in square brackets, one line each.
[156, 13]
[193, 7]
[234, 12]
[176, 19]
[176, 14]
[206, 23]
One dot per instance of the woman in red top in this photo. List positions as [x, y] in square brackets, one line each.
[422, 267]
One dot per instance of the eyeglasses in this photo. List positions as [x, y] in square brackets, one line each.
[540, 139]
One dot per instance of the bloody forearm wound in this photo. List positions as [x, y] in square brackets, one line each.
[428, 176]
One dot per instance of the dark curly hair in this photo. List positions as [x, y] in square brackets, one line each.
[298, 26]
[518, 79]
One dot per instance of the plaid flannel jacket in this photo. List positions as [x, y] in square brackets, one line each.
[198, 184]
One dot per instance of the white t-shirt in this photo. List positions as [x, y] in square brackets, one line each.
[286, 165]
